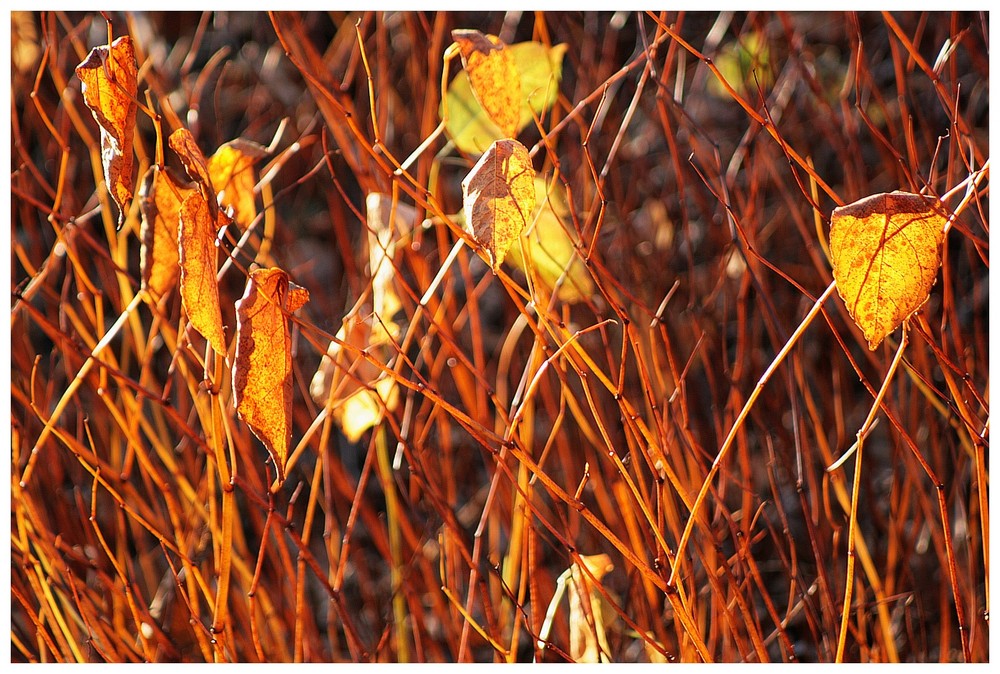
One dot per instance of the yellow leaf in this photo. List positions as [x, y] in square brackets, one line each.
[262, 370]
[182, 142]
[160, 201]
[233, 177]
[540, 70]
[494, 79]
[587, 637]
[499, 198]
[109, 86]
[352, 387]
[549, 247]
[886, 250]
[198, 259]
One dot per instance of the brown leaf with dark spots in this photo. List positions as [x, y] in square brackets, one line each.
[109, 87]
[160, 200]
[262, 371]
[499, 198]
[199, 265]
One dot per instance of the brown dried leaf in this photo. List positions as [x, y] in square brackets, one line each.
[160, 201]
[233, 177]
[262, 371]
[182, 142]
[199, 263]
[499, 198]
[109, 87]
[886, 250]
[493, 75]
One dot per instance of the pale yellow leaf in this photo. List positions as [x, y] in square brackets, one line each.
[499, 198]
[352, 386]
[262, 369]
[587, 633]
[886, 250]
[548, 246]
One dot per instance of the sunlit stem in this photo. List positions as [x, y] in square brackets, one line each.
[850, 452]
[852, 526]
[449, 54]
[75, 384]
[724, 450]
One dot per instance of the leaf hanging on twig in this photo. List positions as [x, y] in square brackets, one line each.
[233, 177]
[499, 198]
[886, 250]
[160, 201]
[199, 264]
[262, 371]
[109, 87]
[493, 76]
[182, 142]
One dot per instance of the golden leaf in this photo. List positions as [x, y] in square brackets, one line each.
[493, 76]
[549, 247]
[182, 142]
[109, 86]
[233, 177]
[499, 198]
[198, 259]
[262, 370]
[354, 388]
[540, 70]
[886, 250]
[160, 201]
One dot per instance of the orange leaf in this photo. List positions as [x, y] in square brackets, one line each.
[109, 87]
[493, 76]
[233, 178]
[499, 197]
[182, 142]
[886, 250]
[198, 258]
[262, 371]
[160, 202]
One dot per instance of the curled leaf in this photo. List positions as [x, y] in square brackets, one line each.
[354, 389]
[199, 263]
[540, 70]
[550, 248]
[493, 76]
[233, 178]
[182, 142]
[160, 200]
[886, 250]
[109, 82]
[499, 198]
[262, 370]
